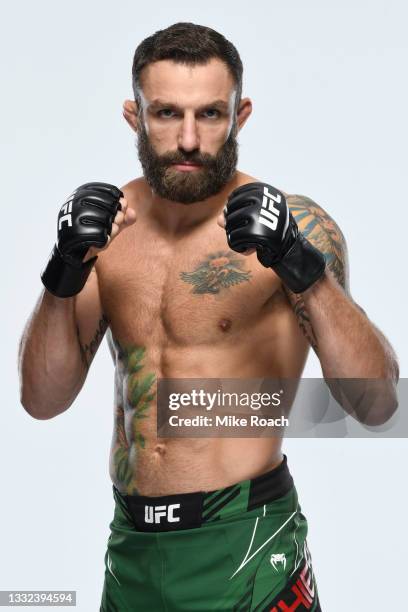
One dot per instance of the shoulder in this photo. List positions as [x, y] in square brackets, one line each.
[134, 185]
[137, 193]
[323, 232]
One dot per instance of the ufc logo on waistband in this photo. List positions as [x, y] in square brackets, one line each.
[269, 215]
[154, 514]
[67, 217]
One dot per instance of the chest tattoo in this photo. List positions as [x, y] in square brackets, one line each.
[218, 271]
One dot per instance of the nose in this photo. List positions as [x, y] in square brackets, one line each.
[188, 138]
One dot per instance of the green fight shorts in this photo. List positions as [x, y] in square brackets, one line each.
[241, 548]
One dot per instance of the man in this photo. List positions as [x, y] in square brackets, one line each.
[213, 523]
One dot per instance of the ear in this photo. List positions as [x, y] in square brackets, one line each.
[244, 110]
[130, 113]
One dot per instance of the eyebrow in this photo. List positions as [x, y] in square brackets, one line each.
[217, 104]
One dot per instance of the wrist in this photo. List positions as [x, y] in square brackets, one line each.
[325, 290]
[63, 276]
[90, 254]
[301, 266]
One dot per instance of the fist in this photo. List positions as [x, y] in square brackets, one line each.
[125, 216]
[86, 218]
[90, 218]
[257, 218]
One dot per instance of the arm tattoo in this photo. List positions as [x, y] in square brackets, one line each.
[88, 350]
[323, 232]
[304, 321]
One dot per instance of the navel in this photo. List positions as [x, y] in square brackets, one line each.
[159, 449]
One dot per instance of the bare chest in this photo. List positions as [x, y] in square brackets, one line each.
[193, 290]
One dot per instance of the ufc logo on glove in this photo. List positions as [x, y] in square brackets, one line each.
[269, 215]
[67, 216]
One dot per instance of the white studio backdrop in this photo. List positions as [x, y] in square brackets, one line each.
[328, 84]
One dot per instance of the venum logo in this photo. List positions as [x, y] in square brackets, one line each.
[67, 217]
[154, 514]
[269, 214]
[278, 560]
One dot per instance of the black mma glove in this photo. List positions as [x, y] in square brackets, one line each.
[85, 220]
[257, 216]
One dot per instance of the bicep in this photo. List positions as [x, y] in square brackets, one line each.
[90, 320]
[324, 233]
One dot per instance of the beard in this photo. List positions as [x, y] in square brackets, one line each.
[187, 187]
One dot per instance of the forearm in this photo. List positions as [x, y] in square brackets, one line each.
[348, 344]
[358, 363]
[51, 367]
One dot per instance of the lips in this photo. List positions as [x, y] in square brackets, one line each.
[186, 166]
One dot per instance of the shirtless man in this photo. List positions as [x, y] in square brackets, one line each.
[214, 523]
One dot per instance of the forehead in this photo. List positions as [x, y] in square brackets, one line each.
[187, 84]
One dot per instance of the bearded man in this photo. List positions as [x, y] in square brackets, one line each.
[209, 523]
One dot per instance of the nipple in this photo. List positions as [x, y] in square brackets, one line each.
[225, 324]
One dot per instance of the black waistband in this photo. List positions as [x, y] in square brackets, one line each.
[189, 510]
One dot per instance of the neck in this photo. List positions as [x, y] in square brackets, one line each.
[176, 217]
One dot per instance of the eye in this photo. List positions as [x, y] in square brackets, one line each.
[166, 113]
[211, 113]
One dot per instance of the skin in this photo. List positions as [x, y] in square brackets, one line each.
[158, 291]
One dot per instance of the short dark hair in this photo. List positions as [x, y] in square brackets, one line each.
[186, 43]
